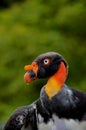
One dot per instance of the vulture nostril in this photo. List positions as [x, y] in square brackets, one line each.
[33, 64]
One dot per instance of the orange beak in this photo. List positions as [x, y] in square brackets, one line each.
[31, 73]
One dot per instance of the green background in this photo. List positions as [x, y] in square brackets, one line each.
[32, 27]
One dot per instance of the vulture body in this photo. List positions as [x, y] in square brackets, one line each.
[56, 98]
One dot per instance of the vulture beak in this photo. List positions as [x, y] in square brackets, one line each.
[31, 73]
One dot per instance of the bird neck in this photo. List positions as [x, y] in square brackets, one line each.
[55, 82]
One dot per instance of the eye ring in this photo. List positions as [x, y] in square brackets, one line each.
[46, 61]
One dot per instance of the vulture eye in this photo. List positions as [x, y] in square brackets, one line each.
[46, 61]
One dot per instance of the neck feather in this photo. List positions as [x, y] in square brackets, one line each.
[55, 82]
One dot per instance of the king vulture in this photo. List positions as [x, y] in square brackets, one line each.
[57, 100]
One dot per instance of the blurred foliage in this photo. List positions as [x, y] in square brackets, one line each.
[33, 27]
[7, 3]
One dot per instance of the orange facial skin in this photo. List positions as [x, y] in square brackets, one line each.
[56, 81]
[32, 72]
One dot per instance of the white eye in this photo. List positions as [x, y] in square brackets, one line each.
[46, 61]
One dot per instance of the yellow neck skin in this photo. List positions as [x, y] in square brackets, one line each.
[55, 83]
